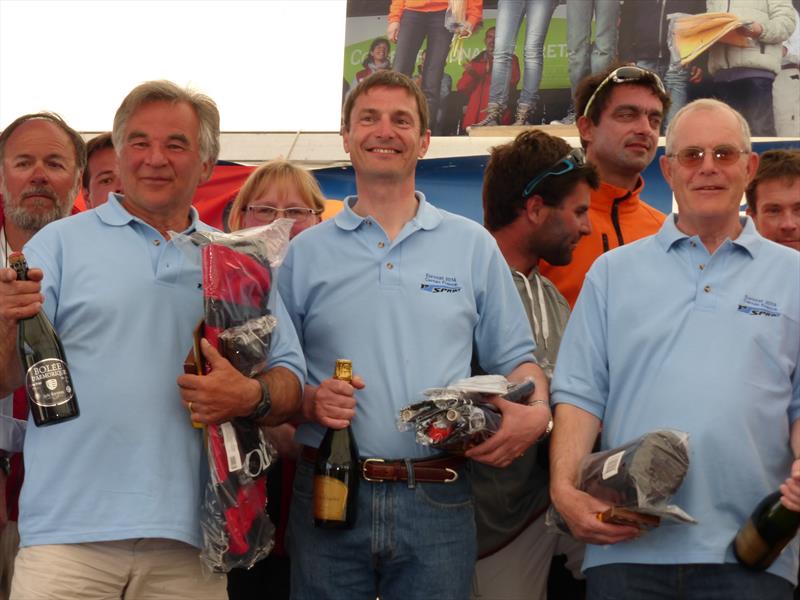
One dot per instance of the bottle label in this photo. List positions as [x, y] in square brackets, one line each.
[48, 384]
[330, 498]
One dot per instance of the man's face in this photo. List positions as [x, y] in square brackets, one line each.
[40, 178]
[563, 227]
[103, 171]
[384, 141]
[711, 191]
[160, 163]
[777, 214]
[626, 138]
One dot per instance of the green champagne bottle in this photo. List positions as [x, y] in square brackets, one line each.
[336, 472]
[766, 533]
[48, 384]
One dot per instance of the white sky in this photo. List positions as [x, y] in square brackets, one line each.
[271, 65]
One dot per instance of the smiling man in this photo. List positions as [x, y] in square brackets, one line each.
[110, 507]
[367, 286]
[621, 111]
[773, 197]
[696, 329]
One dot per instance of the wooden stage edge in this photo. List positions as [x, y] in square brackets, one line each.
[514, 130]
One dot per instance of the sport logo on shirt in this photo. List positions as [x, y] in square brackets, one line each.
[436, 284]
[758, 307]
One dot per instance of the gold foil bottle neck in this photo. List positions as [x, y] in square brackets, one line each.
[344, 370]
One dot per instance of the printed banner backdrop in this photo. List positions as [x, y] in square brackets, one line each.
[641, 25]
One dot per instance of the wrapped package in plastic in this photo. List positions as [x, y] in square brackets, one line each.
[237, 282]
[637, 480]
[458, 417]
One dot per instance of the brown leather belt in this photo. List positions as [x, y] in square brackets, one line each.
[442, 469]
[790, 66]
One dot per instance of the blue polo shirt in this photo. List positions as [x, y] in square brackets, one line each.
[408, 312]
[666, 335]
[124, 301]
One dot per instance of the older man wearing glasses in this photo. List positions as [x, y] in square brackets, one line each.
[696, 328]
[621, 111]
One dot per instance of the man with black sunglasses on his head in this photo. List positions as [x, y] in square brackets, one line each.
[621, 111]
[536, 193]
[696, 329]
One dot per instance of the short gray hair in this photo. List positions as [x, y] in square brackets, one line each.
[709, 104]
[166, 91]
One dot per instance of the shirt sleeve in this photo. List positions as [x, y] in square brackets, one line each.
[581, 375]
[503, 338]
[285, 350]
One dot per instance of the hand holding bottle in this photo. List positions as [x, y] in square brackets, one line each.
[790, 489]
[333, 402]
[20, 299]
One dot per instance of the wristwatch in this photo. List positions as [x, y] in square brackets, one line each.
[264, 404]
[547, 430]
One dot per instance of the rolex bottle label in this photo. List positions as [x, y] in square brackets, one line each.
[48, 383]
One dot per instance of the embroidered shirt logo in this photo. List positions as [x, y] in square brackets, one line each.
[437, 284]
[758, 307]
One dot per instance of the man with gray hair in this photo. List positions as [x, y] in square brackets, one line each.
[695, 328]
[110, 505]
[41, 159]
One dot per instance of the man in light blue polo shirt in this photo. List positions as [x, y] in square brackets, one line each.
[409, 293]
[696, 328]
[111, 500]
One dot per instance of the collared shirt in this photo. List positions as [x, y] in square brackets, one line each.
[408, 312]
[665, 335]
[124, 301]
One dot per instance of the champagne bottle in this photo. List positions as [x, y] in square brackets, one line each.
[766, 533]
[336, 472]
[51, 395]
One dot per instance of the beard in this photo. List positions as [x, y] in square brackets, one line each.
[38, 213]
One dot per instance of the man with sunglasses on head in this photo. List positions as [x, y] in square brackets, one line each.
[720, 360]
[621, 111]
[535, 203]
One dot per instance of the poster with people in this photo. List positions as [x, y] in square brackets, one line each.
[517, 62]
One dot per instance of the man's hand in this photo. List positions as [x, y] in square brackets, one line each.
[282, 437]
[221, 395]
[333, 403]
[580, 510]
[20, 299]
[521, 427]
[791, 489]
[753, 30]
[392, 31]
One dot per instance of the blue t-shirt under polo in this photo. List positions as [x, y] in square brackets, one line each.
[666, 335]
[408, 312]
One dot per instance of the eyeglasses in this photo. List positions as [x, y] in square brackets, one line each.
[267, 214]
[693, 156]
[574, 160]
[625, 75]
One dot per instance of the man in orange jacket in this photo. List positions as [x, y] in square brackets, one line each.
[621, 111]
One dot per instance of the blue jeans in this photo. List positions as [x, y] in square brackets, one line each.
[415, 26]
[509, 19]
[583, 58]
[684, 582]
[409, 542]
[676, 81]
